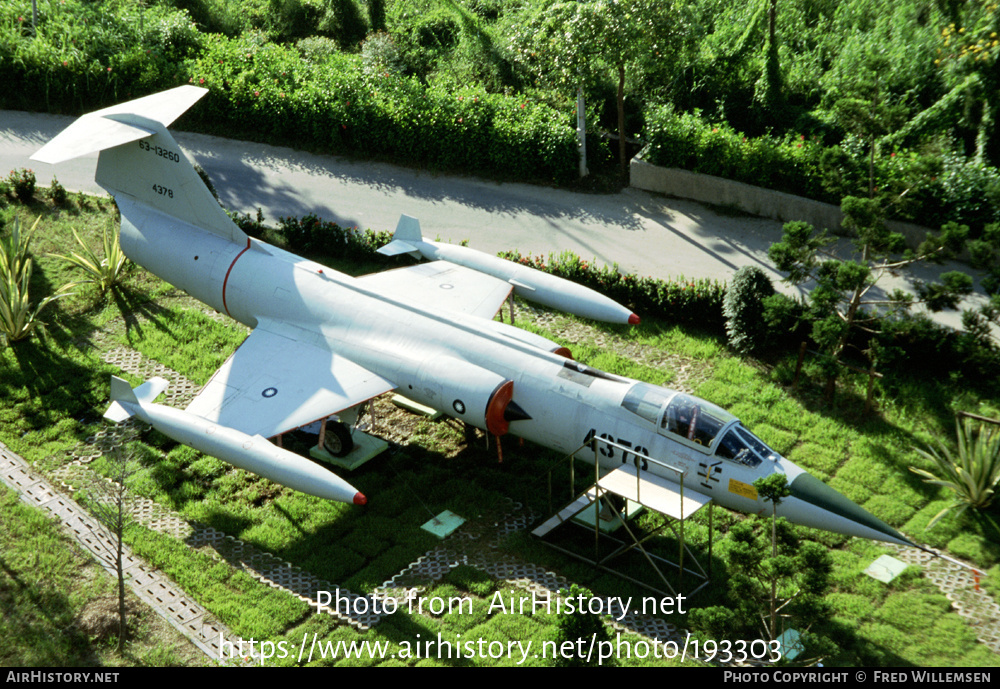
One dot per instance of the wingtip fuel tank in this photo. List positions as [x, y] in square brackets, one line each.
[253, 453]
[529, 283]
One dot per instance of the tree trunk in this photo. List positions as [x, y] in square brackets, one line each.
[983, 135]
[622, 148]
[122, 626]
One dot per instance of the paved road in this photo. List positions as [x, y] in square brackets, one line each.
[642, 232]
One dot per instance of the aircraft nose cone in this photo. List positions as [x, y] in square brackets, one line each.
[832, 511]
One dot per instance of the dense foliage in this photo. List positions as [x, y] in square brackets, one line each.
[813, 97]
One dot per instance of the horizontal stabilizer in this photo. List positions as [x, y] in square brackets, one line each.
[110, 127]
[396, 247]
[404, 239]
[124, 399]
[146, 171]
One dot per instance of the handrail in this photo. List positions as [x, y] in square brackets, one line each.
[593, 443]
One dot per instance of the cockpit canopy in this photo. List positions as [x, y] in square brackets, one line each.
[695, 422]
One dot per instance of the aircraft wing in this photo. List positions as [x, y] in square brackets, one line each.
[444, 285]
[274, 383]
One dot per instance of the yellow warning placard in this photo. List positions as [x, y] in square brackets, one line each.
[742, 489]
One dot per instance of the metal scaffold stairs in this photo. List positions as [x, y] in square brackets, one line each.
[641, 488]
[565, 514]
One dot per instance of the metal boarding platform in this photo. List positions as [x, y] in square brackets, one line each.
[654, 492]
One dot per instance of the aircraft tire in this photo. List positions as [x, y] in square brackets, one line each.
[337, 439]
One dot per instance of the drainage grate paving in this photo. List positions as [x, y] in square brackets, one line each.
[181, 390]
[151, 586]
[261, 565]
[961, 585]
[480, 552]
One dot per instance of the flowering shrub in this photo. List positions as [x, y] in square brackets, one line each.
[22, 182]
[310, 234]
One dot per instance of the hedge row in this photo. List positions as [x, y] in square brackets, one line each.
[267, 91]
[83, 58]
[929, 189]
[694, 302]
[691, 302]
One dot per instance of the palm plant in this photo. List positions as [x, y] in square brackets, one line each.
[104, 272]
[17, 317]
[971, 474]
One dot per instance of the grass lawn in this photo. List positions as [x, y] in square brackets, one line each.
[54, 388]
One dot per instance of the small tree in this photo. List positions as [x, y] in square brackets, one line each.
[772, 579]
[575, 44]
[111, 506]
[376, 15]
[773, 489]
[839, 302]
[579, 625]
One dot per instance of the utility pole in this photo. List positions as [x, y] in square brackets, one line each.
[581, 130]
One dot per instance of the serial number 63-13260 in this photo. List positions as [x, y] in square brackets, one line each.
[162, 152]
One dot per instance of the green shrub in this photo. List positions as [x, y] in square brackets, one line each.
[579, 627]
[971, 474]
[309, 234]
[743, 308]
[104, 271]
[928, 189]
[343, 21]
[17, 317]
[376, 14]
[271, 93]
[57, 193]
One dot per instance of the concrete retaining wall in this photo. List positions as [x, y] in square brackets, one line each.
[764, 203]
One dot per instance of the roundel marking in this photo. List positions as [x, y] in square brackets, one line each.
[458, 406]
[269, 392]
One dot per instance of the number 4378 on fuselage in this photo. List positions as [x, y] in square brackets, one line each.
[324, 342]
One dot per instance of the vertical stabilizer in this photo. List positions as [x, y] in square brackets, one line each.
[140, 161]
[405, 239]
[408, 229]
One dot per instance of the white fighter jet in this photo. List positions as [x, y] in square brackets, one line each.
[324, 342]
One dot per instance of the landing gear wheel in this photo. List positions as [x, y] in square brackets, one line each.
[337, 439]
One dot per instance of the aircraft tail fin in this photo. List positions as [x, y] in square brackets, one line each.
[140, 161]
[407, 233]
[124, 400]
